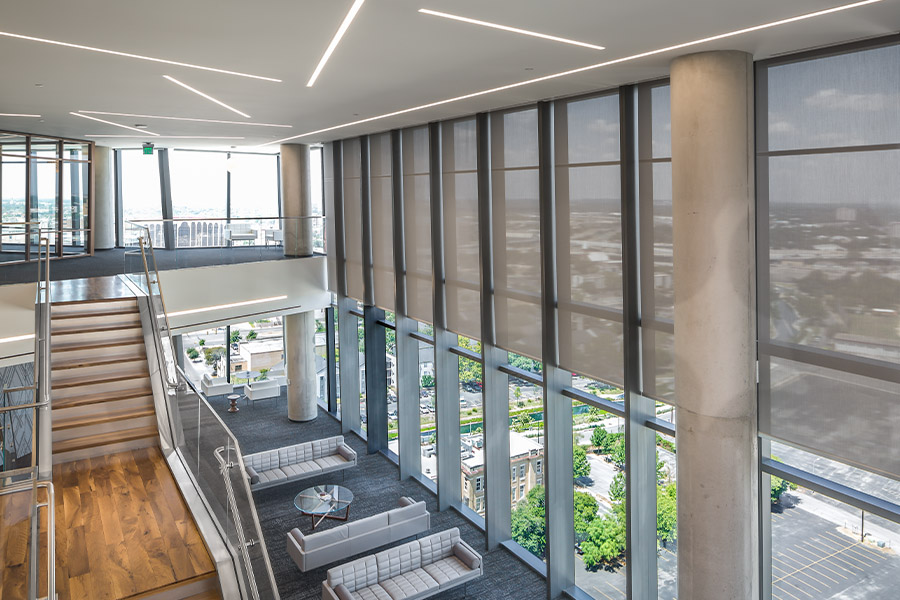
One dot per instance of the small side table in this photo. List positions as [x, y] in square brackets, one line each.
[233, 398]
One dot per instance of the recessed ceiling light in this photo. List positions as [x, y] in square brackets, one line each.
[554, 38]
[39, 85]
[111, 123]
[221, 306]
[137, 56]
[207, 96]
[168, 137]
[357, 4]
[20, 115]
[115, 114]
[501, 88]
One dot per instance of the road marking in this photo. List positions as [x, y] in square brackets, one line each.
[824, 558]
[799, 589]
[834, 563]
[817, 571]
[788, 592]
[604, 593]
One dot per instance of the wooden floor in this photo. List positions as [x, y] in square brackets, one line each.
[89, 289]
[123, 529]
[15, 545]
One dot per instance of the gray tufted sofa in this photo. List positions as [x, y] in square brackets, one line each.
[414, 570]
[317, 549]
[274, 467]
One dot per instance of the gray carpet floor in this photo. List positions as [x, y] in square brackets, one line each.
[106, 263]
[376, 487]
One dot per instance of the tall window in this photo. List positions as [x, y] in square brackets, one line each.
[254, 185]
[141, 199]
[514, 161]
[829, 231]
[829, 251]
[589, 230]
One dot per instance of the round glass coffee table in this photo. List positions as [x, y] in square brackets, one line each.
[324, 502]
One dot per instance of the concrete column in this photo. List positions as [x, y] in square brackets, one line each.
[715, 325]
[296, 200]
[300, 366]
[104, 199]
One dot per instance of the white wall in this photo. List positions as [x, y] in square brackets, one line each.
[303, 281]
[16, 319]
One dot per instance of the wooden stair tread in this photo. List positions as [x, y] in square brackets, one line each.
[102, 439]
[82, 329]
[89, 314]
[77, 363]
[95, 345]
[123, 375]
[93, 300]
[99, 419]
[101, 397]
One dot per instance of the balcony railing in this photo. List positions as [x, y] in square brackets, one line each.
[26, 490]
[196, 437]
[296, 236]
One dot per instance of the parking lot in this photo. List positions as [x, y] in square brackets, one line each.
[812, 559]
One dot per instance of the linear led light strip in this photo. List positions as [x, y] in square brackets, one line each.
[169, 137]
[115, 114]
[554, 38]
[335, 40]
[17, 338]
[19, 115]
[582, 69]
[137, 56]
[222, 306]
[207, 96]
[141, 131]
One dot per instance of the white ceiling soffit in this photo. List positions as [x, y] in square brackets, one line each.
[392, 58]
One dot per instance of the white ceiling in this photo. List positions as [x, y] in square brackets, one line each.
[391, 58]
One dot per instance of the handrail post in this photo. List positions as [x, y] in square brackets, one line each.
[45, 433]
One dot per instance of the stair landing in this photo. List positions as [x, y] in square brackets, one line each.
[123, 531]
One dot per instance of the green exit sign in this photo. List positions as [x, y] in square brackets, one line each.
[148, 150]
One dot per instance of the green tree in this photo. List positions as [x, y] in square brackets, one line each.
[522, 422]
[193, 353]
[618, 452]
[610, 440]
[517, 393]
[201, 342]
[581, 466]
[666, 513]
[528, 530]
[599, 436]
[235, 337]
[585, 511]
[263, 374]
[528, 522]
[252, 335]
[522, 362]
[780, 486]
[617, 487]
[212, 356]
[427, 381]
[605, 541]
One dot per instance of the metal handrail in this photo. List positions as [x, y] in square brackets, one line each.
[40, 470]
[170, 377]
[179, 384]
[139, 222]
[33, 486]
[224, 468]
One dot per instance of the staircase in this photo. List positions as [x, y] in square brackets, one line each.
[101, 396]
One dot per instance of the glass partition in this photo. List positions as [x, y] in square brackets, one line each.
[47, 181]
